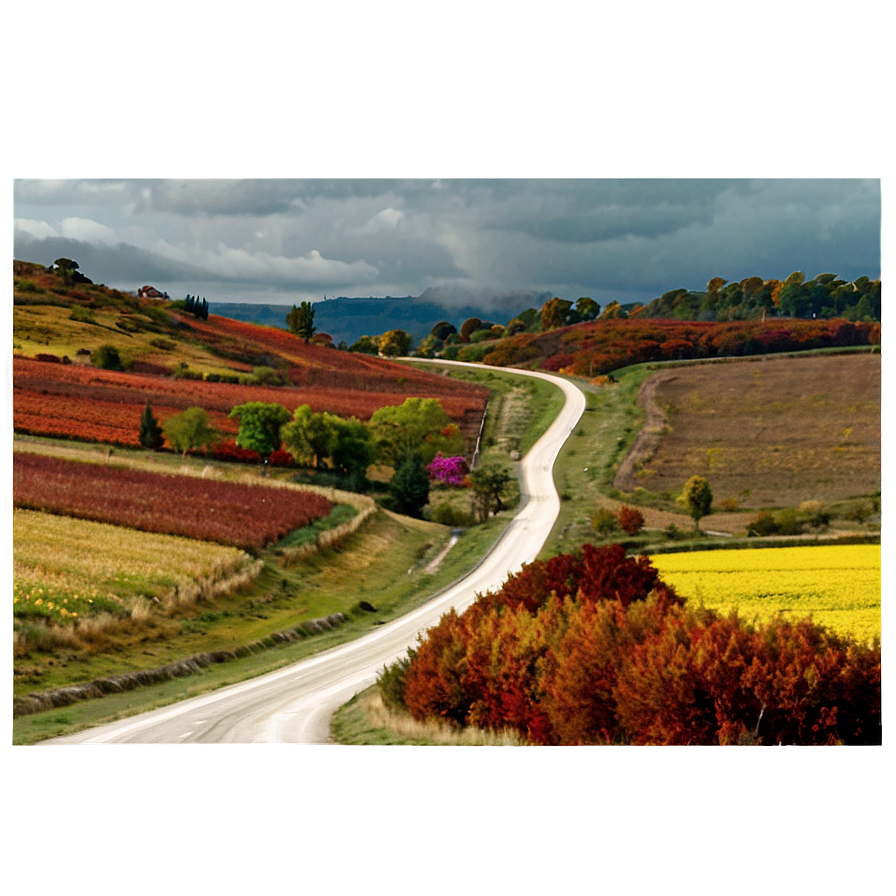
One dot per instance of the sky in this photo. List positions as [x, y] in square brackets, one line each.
[287, 240]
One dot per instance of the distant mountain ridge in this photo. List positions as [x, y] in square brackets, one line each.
[348, 319]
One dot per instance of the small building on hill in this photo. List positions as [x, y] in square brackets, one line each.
[150, 292]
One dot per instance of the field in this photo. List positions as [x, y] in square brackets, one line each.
[66, 570]
[769, 433]
[81, 402]
[838, 585]
[230, 513]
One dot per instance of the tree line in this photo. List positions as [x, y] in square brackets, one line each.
[416, 439]
[825, 297]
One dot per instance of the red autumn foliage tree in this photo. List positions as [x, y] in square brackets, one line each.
[591, 647]
[631, 520]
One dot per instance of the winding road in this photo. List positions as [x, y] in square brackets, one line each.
[295, 704]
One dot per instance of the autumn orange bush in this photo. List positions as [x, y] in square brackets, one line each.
[592, 648]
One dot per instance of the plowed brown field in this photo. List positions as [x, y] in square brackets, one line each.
[766, 433]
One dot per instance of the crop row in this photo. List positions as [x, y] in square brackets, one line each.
[838, 585]
[230, 513]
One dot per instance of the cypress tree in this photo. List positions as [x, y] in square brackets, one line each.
[409, 486]
[150, 431]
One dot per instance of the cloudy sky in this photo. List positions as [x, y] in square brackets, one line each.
[283, 241]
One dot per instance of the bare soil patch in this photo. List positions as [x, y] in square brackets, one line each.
[765, 433]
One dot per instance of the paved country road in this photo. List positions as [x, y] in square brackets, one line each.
[295, 704]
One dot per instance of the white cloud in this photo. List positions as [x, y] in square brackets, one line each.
[386, 220]
[312, 269]
[88, 231]
[38, 229]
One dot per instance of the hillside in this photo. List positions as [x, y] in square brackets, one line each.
[599, 347]
[348, 319]
[175, 360]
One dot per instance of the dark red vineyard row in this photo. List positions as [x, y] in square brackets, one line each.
[246, 516]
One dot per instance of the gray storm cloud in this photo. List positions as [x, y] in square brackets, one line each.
[287, 240]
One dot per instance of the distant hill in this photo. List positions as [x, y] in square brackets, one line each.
[348, 319]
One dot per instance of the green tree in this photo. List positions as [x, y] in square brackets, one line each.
[395, 343]
[365, 345]
[352, 451]
[792, 298]
[419, 424]
[260, 424]
[107, 357]
[151, 436]
[587, 308]
[555, 313]
[489, 483]
[429, 347]
[309, 436]
[409, 486]
[468, 327]
[696, 498]
[67, 268]
[301, 321]
[613, 311]
[190, 430]
[442, 330]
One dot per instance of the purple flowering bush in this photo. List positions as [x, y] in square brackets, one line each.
[449, 470]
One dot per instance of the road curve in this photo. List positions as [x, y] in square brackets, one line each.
[295, 704]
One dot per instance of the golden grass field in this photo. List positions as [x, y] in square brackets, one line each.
[67, 570]
[839, 586]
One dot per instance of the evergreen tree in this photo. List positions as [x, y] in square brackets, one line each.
[301, 321]
[150, 431]
[409, 486]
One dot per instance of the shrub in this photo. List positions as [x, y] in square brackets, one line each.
[447, 514]
[858, 513]
[229, 451]
[82, 315]
[789, 522]
[449, 470]
[392, 679]
[763, 525]
[815, 514]
[107, 358]
[630, 519]
[604, 521]
[281, 458]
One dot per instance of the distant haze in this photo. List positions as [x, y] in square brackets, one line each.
[488, 243]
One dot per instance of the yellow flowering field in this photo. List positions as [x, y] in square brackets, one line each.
[839, 586]
[66, 569]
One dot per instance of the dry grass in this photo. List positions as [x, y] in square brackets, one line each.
[769, 433]
[404, 727]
